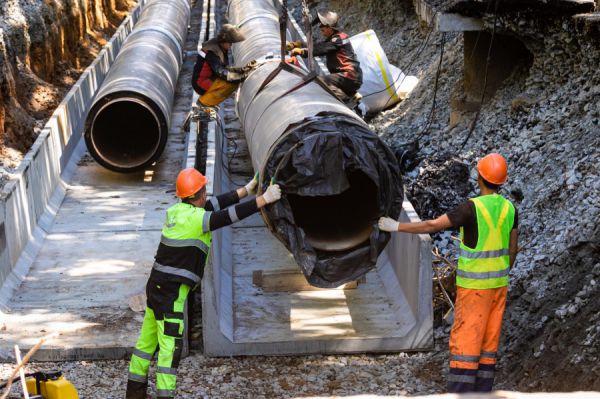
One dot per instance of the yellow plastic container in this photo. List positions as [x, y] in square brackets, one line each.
[59, 388]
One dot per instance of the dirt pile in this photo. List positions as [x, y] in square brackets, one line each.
[44, 47]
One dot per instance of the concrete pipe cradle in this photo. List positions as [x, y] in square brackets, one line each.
[127, 127]
[337, 176]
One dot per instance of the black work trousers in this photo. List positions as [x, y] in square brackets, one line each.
[342, 87]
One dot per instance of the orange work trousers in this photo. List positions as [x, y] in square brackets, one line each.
[217, 92]
[474, 339]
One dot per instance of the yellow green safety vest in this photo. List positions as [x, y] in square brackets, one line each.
[185, 242]
[486, 266]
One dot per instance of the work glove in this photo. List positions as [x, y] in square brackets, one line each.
[298, 51]
[235, 77]
[388, 224]
[251, 65]
[272, 194]
[235, 69]
[251, 186]
[292, 45]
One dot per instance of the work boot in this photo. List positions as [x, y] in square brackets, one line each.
[136, 390]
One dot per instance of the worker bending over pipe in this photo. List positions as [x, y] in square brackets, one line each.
[178, 269]
[488, 248]
[345, 76]
[213, 79]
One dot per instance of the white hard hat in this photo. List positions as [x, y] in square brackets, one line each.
[330, 18]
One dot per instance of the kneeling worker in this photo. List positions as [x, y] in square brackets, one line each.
[213, 79]
[178, 268]
[488, 248]
[345, 74]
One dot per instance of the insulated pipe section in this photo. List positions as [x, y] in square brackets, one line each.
[127, 126]
[337, 176]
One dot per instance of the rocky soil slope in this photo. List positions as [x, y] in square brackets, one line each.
[44, 47]
[545, 118]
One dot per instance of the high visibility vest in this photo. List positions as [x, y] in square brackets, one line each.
[486, 266]
[185, 243]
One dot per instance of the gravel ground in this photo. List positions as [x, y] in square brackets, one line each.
[267, 377]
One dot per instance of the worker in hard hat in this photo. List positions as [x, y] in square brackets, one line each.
[345, 76]
[488, 248]
[177, 270]
[213, 79]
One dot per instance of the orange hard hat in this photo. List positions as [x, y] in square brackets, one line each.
[493, 168]
[189, 182]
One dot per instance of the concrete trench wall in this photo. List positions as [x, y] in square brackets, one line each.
[29, 201]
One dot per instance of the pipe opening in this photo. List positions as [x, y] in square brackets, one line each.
[125, 135]
[338, 222]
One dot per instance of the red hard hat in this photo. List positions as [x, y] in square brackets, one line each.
[189, 182]
[493, 168]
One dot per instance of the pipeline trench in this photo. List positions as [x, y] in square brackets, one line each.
[95, 249]
[78, 239]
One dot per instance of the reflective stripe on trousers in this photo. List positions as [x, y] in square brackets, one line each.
[167, 335]
[177, 272]
[474, 339]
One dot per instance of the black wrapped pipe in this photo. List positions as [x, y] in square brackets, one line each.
[337, 176]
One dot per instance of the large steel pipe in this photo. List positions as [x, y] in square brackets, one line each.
[127, 127]
[337, 175]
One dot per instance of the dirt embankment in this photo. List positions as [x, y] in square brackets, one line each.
[44, 47]
[545, 118]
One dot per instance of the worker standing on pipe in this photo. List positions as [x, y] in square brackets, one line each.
[178, 269]
[213, 79]
[345, 76]
[488, 248]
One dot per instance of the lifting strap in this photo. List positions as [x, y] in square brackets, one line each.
[283, 19]
[308, 30]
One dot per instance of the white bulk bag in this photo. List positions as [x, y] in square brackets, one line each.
[383, 84]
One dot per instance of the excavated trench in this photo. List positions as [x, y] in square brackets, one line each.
[44, 47]
[543, 115]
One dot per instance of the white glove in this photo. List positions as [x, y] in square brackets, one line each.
[272, 194]
[388, 224]
[251, 186]
[235, 77]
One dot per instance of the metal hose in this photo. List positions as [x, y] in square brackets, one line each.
[127, 127]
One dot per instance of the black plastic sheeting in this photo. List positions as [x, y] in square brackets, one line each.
[316, 158]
